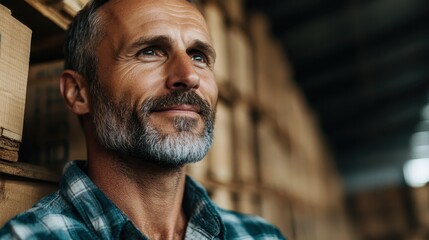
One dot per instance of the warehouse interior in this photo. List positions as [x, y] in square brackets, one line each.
[363, 68]
[360, 70]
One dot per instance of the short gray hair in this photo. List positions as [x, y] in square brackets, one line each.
[82, 37]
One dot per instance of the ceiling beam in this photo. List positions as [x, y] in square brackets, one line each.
[406, 40]
[396, 86]
[380, 126]
[347, 27]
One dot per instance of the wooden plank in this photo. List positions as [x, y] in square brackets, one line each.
[8, 155]
[59, 12]
[62, 20]
[9, 144]
[29, 171]
[19, 194]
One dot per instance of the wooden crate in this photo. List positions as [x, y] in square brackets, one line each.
[223, 197]
[241, 61]
[245, 154]
[420, 201]
[200, 169]
[234, 10]
[216, 23]
[380, 214]
[277, 211]
[21, 186]
[15, 41]
[248, 203]
[259, 30]
[221, 153]
[274, 168]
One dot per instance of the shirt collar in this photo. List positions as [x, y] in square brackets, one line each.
[95, 208]
[204, 215]
[102, 215]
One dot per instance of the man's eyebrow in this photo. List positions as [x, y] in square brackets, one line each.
[155, 40]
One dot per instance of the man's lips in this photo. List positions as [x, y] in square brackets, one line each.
[179, 108]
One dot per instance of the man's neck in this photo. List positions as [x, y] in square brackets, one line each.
[150, 196]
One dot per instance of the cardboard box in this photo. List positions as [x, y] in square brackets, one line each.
[15, 41]
[52, 134]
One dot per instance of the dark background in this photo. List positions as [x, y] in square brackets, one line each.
[364, 69]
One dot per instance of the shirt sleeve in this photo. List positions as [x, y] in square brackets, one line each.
[28, 226]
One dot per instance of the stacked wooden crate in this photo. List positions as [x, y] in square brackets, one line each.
[14, 59]
[268, 157]
[419, 201]
[61, 12]
[20, 184]
[384, 213]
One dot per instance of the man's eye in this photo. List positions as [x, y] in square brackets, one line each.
[150, 52]
[199, 58]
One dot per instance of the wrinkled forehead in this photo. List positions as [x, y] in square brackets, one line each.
[136, 12]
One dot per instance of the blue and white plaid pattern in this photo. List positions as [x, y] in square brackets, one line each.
[79, 210]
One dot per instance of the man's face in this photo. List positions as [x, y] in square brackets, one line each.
[155, 94]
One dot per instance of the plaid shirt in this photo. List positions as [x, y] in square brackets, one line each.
[79, 210]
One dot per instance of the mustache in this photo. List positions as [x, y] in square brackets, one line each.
[159, 103]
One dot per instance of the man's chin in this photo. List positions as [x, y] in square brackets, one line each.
[143, 159]
[178, 124]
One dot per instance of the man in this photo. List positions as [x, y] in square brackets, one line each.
[139, 73]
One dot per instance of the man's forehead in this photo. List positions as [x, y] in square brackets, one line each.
[154, 16]
[152, 6]
[141, 11]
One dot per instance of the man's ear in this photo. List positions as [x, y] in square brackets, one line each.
[75, 92]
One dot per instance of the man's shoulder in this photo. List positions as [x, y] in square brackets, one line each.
[47, 219]
[240, 225]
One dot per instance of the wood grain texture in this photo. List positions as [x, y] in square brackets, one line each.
[8, 155]
[18, 194]
[9, 144]
[29, 171]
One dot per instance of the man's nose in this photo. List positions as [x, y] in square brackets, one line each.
[182, 74]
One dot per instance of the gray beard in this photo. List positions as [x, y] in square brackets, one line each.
[126, 131]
